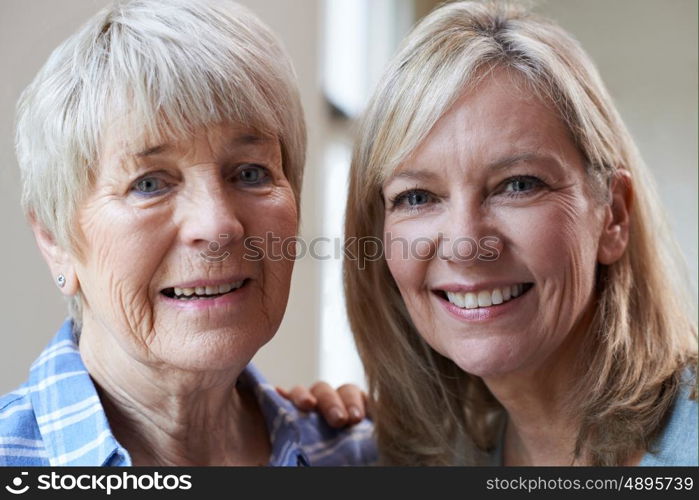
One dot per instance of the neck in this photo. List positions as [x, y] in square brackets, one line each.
[542, 424]
[166, 416]
[542, 428]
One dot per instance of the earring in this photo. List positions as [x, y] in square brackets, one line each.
[61, 280]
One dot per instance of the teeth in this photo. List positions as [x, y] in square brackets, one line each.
[456, 299]
[471, 301]
[207, 290]
[485, 298]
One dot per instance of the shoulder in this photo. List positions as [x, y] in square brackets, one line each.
[678, 443]
[326, 446]
[40, 421]
[21, 443]
[308, 433]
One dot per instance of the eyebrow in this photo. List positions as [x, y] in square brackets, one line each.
[248, 139]
[499, 164]
[506, 162]
[153, 151]
[237, 141]
[420, 175]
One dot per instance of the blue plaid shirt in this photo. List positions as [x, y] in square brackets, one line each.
[56, 418]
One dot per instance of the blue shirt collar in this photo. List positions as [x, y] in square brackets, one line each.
[63, 394]
[281, 417]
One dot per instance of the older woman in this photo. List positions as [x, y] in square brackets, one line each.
[152, 143]
[526, 311]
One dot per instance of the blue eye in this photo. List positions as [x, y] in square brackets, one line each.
[417, 198]
[149, 186]
[520, 185]
[252, 174]
[413, 198]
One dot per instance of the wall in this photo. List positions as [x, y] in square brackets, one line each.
[646, 52]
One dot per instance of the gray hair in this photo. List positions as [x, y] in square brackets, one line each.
[164, 68]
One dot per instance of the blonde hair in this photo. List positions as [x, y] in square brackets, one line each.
[164, 68]
[642, 336]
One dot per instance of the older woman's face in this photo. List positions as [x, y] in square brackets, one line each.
[498, 171]
[164, 268]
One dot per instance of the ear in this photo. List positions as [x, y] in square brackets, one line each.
[615, 231]
[59, 260]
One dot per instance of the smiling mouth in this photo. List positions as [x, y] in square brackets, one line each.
[486, 297]
[203, 292]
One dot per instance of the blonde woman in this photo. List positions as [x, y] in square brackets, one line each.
[526, 310]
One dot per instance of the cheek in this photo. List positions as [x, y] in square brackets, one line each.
[122, 251]
[410, 253]
[275, 215]
[557, 243]
[274, 221]
[408, 249]
[553, 232]
[540, 237]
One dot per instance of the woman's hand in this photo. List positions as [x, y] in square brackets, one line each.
[346, 405]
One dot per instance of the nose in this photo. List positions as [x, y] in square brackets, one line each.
[468, 234]
[210, 218]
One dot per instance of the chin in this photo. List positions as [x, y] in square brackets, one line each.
[217, 350]
[486, 357]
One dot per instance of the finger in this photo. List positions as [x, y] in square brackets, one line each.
[330, 404]
[353, 399]
[368, 404]
[302, 398]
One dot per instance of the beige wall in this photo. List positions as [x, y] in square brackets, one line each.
[646, 51]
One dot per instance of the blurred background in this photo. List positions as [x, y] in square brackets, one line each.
[645, 50]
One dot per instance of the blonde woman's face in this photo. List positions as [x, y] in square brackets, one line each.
[492, 231]
[165, 273]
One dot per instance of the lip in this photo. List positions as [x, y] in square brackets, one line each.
[478, 287]
[208, 282]
[481, 314]
[231, 298]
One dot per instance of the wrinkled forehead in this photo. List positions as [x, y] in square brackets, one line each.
[127, 140]
[131, 122]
